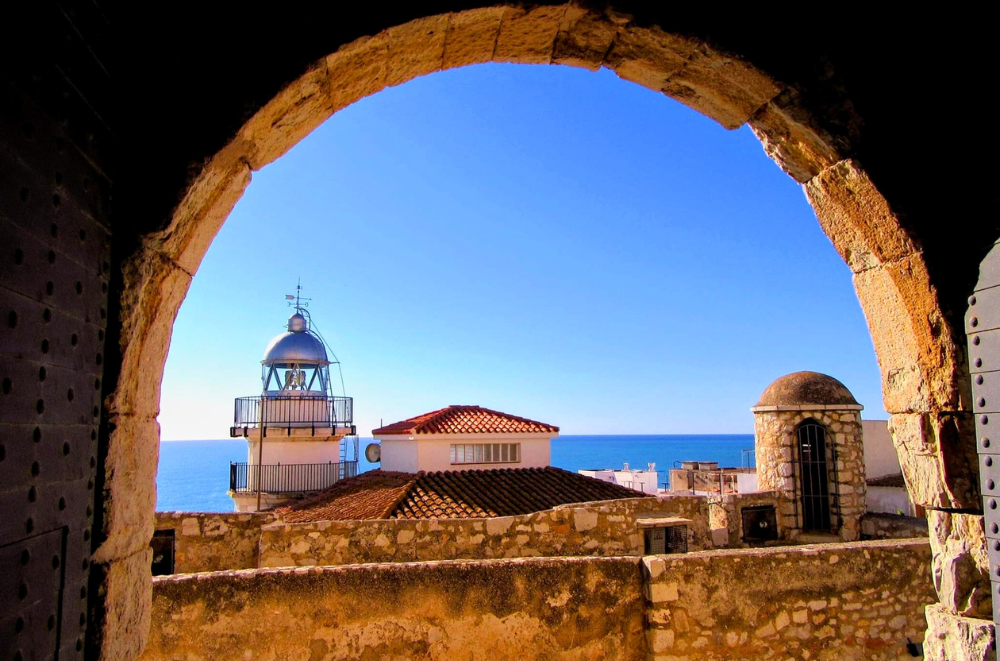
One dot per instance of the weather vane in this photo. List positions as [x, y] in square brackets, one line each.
[299, 304]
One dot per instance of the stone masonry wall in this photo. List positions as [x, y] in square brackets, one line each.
[832, 601]
[551, 608]
[606, 528]
[776, 443]
[849, 601]
[892, 526]
[205, 541]
[726, 516]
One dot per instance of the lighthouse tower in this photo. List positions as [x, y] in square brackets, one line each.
[296, 427]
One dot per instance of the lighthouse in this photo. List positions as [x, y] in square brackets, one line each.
[300, 437]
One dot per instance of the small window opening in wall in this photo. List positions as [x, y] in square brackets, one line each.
[669, 539]
[760, 524]
[163, 552]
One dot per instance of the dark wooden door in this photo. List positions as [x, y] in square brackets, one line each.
[54, 270]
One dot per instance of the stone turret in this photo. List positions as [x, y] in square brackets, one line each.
[809, 448]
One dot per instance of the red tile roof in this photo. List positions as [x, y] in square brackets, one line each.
[887, 481]
[466, 420]
[452, 495]
[370, 495]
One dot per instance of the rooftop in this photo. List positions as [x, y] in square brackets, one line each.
[802, 388]
[457, 419]
[297, 345]
[466, 494]
[887, 481]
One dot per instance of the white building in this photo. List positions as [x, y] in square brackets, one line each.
[646, 480]
[295, 427]
[464, 438]
[886, 492]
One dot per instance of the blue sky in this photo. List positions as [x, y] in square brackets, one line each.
[547, 241]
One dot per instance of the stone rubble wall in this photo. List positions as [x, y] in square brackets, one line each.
[844, 602]
[208, 541]
[604, 528]
[960, 626]
[952, 637]
[879, 525]
[561, 608]
[726, 517]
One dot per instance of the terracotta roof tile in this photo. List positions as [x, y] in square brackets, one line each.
[371, 495]
[466, 494]
[887, 481]
[466, 420]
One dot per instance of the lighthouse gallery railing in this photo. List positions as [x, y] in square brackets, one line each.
[291, 412]
[288, 478]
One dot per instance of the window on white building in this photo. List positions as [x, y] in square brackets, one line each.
[485, 453]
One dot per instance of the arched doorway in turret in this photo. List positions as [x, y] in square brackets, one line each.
[814, 466]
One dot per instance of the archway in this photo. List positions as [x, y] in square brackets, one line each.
[814, 467]
[924, 377]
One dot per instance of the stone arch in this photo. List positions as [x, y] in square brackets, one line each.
[924, 378]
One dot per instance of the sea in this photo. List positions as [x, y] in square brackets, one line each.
[194, 475]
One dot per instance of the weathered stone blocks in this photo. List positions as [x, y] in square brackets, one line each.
[953, 637]
[130, 491]
[840, 601]
[558, 608]
[648, 56]
[937, 453]
[121, 623]
[205, 541]
[583, 39]
[793, 139]
[528, 36]
[922, 365]
[605, 528]
[472, 37]
[288, 117]
[835, 601]
[961, 567]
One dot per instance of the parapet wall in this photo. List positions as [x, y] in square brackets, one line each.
[564, 608]
[726, 517]
[207, 541]
[892, 526]
[851, 601]
[605, 528]
[831, 601]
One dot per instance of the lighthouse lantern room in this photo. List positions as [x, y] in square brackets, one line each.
[300, 437]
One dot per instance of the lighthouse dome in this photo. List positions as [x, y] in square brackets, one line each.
[298, 345]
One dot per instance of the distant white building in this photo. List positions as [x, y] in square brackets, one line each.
[464, 438]
[886, 490]
[645, 480]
